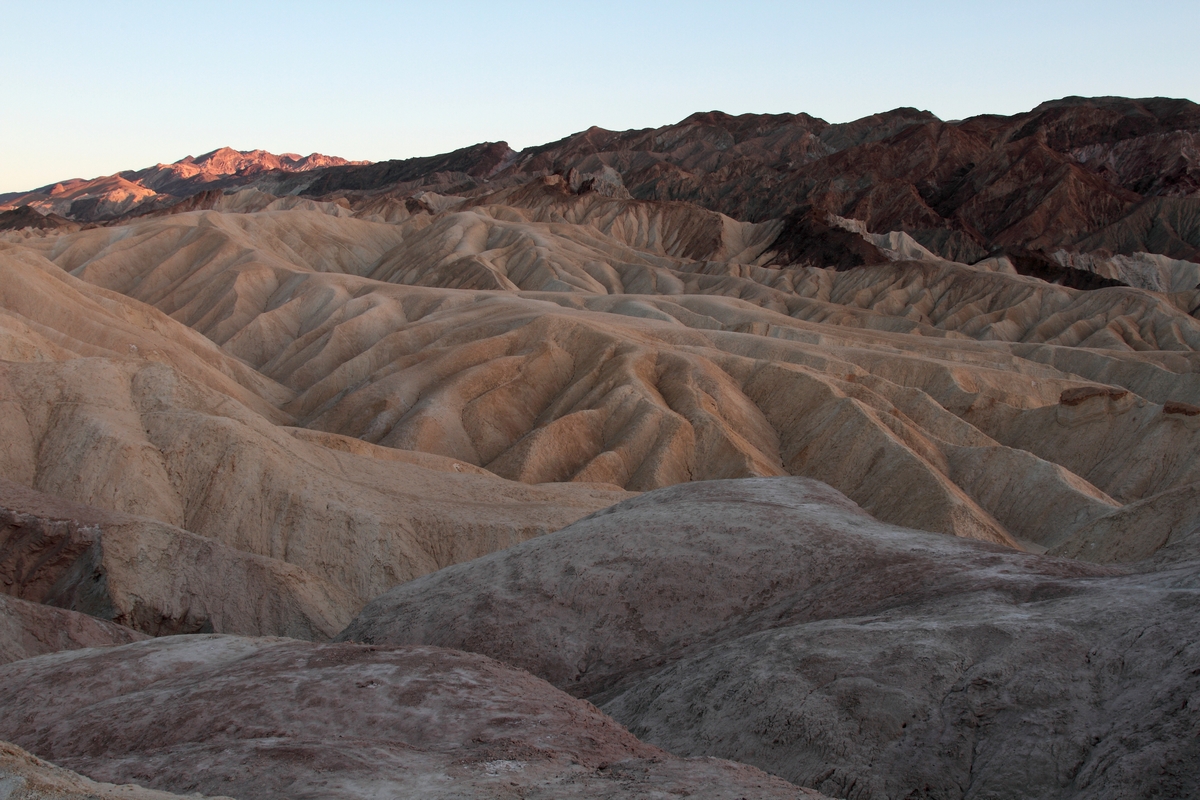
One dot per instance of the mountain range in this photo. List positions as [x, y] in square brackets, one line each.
[1108, 176]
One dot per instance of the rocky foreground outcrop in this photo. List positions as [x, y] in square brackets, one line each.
[24, 776]
[275, 718]
[32, 629]
[773, 622]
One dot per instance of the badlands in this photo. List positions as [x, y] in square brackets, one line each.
[749, 457]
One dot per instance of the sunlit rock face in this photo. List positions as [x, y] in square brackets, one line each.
[163, 185]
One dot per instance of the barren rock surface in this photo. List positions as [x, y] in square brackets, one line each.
[1076, 174]
[32, 629]
[274, 718]
[641, 583]
[153, 577]
[772, 622]
[26, 777]
[145, 190]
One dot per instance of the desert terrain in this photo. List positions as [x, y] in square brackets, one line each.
[751, 456]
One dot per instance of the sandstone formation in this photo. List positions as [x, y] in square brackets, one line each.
[143, 440]
[773, 622]
[153, 577]
[276, 718]
[111, 404]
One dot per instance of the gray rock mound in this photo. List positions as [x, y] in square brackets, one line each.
[773, 622]
[643, 582]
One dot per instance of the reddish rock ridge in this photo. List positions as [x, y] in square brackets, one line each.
[113, 196]
[219, 166]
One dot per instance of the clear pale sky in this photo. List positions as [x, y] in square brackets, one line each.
[91, 88]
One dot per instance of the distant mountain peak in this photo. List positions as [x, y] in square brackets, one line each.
[110, 196]
[228, 161]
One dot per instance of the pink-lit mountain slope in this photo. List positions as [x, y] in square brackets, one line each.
[162, 185]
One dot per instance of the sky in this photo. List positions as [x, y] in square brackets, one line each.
[92, 88]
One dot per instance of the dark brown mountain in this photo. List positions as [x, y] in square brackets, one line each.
[806, 238]
[1072, 174]
[23, 217]
[474, 164]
